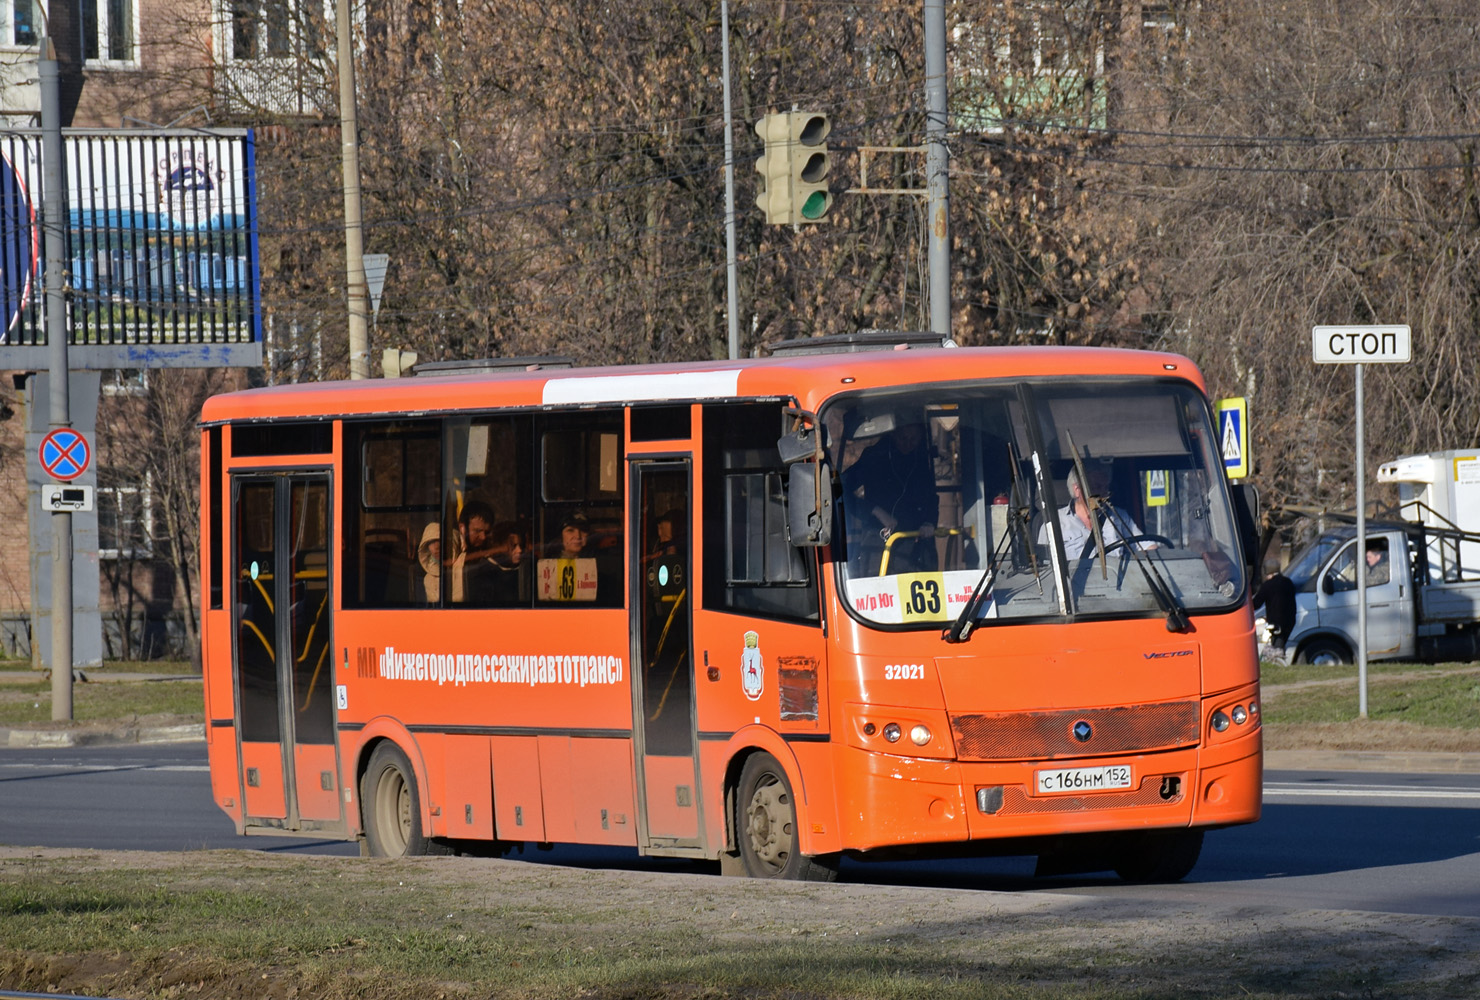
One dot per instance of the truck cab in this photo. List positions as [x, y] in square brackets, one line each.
[1325, 574]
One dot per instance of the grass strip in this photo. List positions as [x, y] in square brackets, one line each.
[244, 924]
[29, 703]
[1448, 700]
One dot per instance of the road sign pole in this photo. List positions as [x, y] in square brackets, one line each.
[53, 180]
[1361, 553]
[1358, 345]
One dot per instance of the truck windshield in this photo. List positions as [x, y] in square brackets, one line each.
[1306, 563]
[938, 484]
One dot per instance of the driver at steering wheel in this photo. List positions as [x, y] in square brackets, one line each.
[1075, 519]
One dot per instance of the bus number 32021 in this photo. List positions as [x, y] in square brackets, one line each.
[904, 671]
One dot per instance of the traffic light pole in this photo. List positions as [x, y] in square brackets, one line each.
[732, 277]
[937, 168]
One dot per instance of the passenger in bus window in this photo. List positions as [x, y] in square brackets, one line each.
[571, 575]
[575, 529]
[663, 566]
[668, 532]
[494, 581]
[899, 495]
[429, 554]
[473, 523]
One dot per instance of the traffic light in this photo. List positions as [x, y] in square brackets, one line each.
[773, 193]
[794, 167]
[809, 165]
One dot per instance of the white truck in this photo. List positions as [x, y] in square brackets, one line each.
[1423, 572]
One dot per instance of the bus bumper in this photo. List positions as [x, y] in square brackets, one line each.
[897, 801]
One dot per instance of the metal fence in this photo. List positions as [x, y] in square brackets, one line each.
[161, 238]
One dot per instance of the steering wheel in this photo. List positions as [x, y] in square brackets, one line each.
[1122, 542]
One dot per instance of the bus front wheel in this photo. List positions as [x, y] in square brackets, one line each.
[765, 825]
[391, 807]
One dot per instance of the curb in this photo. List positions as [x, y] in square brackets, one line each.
[57, 738]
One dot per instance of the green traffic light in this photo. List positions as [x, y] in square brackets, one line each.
[815, 205]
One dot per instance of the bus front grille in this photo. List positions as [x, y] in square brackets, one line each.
[1051, 735]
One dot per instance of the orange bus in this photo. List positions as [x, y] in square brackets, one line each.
[836, 601]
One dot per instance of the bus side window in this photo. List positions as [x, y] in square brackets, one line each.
[486, 492]
[577, 546]
[750, 566]
[391, 493]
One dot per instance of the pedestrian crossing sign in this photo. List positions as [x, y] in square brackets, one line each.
[1157, 493]
[1233, 436]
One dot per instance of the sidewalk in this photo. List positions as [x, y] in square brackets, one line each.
[90, 736]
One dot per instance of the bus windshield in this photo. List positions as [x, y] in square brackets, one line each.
[946, 488]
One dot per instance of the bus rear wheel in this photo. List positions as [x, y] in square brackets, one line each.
[765, 825]
[391, 807]
[1160, 856]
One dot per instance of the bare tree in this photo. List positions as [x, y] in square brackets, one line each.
[156, 537]
[1314, 163]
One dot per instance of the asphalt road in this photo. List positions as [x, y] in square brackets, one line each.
[1400, 843]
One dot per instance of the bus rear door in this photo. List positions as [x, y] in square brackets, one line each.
[282, 658]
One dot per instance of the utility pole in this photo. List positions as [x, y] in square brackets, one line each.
[53, 179]
[937, 168]
[354, 235]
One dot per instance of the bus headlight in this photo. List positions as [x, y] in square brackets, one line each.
[1220, 720]
[920, 735]
[891, 732]
[1239, 715]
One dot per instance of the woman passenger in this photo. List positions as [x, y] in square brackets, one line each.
[429, 554]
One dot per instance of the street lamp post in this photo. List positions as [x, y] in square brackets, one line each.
[354, 238]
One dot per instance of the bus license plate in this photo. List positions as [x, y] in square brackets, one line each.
[1084, 779]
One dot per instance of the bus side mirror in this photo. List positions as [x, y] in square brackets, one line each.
[1328, 584]
[798, 445]
[809, 504]
[1246, 516]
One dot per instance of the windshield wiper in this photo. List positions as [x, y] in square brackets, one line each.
[1018, 517]
[1177, 620]
[965, 622]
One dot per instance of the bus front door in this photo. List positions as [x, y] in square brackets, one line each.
[670, 816]
[282, 660]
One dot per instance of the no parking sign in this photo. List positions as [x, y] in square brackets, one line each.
[65, 454]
